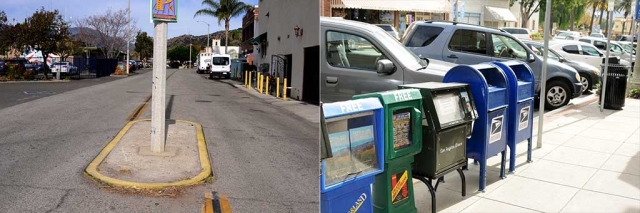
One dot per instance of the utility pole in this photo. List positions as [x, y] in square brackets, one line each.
[543, 78]
[207, 32]
[190, 43]
[128, 34]
[606, 60]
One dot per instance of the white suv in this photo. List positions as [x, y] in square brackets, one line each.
[520, 33]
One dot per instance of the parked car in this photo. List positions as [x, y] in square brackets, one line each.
[139, 65]
[390, 29]
[220, 66]
[589, 75]
[567, 35]
[359, 58]
[2, 67]
[520, 33]
[615, 48]
[597, 35]
[580, 51]
[470, 44]
[627, 38]
[19, 63]
[66, 68]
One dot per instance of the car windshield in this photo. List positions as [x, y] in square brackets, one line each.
[566, 34]
[400, 51]
[385, 27]
[628, 49]
[220, 60]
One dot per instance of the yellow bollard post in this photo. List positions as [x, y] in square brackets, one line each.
[249, 85]
[278, 87]
[266, 88]
[245, 78]
[260, 85]
[284, 91]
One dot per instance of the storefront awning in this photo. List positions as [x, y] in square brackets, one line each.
[258, 39]
[499, 14]
[433, 6]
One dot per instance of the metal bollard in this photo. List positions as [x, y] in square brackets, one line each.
[278, 87]
[249, 85]
[266, 88]
[245, 78]
[284, 92]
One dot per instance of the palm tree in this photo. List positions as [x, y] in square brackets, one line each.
[625, 7]
[594, 5]
[223, 10]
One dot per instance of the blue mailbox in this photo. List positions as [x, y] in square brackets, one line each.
[520, 122]
[355, 132]
[489, 90]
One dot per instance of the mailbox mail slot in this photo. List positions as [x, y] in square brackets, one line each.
[355, 139]
[489, 90]
[448, 110]
[393, 189]
[520, 122]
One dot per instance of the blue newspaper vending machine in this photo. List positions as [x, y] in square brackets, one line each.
[520, 122]
[489, 91]
[355, 132]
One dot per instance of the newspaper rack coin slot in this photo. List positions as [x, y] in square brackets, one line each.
[489, 90]
[448, 114]
[355, 138]
[393, 189]
[520, 122]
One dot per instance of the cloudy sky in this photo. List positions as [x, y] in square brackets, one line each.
[77, 9]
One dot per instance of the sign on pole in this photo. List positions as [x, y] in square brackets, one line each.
[637, 3]
[164, 10]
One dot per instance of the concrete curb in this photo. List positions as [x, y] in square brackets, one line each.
[550, 116]
[43, 81]
[205, 164]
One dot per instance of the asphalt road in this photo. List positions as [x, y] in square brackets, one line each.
[17, 93]
[264, 159]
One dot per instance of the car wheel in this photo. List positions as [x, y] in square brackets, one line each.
[586, 83]
[556, 95]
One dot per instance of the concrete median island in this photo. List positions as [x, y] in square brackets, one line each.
[127, 160]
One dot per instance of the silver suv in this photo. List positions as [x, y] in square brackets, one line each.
[470, 44]
[357, 58]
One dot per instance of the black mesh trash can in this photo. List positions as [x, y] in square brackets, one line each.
[616, 86]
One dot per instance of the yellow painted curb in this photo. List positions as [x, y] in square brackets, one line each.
[205, 165]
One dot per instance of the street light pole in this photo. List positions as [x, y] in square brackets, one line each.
[606, 60]
[207, 31]
[190, 43]
[128, 34]
[543, 81]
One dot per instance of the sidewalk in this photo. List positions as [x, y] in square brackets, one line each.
[304, 110]
[589, 162]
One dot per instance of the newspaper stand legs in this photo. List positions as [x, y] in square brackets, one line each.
[433, 188]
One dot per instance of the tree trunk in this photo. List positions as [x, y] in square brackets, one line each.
[593, 13]
[600, 20]
[226, 36]
[46, 67]
[606, 25]
[571, 19]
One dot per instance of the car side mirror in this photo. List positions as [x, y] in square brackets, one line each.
[530, 58]
[385, 66]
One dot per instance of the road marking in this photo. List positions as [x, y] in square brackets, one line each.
[216, 203]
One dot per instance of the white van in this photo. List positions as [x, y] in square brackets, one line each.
[204, 60]
[220, 66]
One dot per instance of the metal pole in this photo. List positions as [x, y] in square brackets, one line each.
[207, 31]
[543, 78]
[635, 78]
[606, 62]
[128, 33]
[190, 42]
[158, 87]
[455, 12]
[632, 34]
